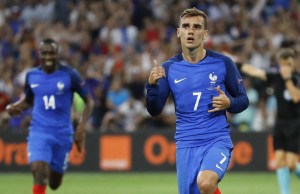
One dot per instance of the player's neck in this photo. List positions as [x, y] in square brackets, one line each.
[50, 70]
[193, 56]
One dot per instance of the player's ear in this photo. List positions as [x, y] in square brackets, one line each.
[178, 33]
[205, 35]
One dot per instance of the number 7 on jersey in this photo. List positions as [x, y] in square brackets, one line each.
[198, 94]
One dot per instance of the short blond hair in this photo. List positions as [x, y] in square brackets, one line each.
[191, 12]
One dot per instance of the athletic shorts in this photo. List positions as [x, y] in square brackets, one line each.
[51, 149]
[286, 135]
[190, 161]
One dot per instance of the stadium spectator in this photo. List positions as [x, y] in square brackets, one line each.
[130, 114]
[116, 95]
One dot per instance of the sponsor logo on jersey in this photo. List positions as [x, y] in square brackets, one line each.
[34, 85]
[176, 81]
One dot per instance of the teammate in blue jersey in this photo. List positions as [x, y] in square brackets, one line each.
[204, 85]
[49, 88]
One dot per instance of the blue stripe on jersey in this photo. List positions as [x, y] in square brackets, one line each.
[52, 96]
[193, 86]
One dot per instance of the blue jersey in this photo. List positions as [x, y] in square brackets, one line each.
[52, 96]
[193, 86]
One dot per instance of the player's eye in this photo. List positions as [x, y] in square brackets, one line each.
[185, 25]
[197, 27]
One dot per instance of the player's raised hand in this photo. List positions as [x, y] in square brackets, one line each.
[79, 138]
[220, 102]
[157, 72]
[13, 110]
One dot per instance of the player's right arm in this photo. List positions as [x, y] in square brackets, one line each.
[15, 109]
[158, 90]
[253, 71]
[25, 102]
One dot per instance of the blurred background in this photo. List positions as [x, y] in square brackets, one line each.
[112, 43]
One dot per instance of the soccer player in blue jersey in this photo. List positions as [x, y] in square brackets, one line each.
[49, 88]
[204, 85]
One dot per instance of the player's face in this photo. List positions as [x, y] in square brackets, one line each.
[287, 62]
[48, 55]
[192, 32]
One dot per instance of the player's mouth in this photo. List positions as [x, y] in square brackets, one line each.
[48, 63]
[190, 39]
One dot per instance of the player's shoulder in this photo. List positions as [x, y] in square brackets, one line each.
[220, 58]
[66, 68]
[218, 55]
[174, 59]
[34, 70]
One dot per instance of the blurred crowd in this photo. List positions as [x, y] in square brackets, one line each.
[113, 43]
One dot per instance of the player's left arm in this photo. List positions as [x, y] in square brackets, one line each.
[79, 86]
[79, 138]
[235, 89]
[286, 74]
[85, 113]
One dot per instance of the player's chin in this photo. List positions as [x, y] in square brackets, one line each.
[192, 45]
[48, 65]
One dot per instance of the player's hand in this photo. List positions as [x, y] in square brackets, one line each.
[157, 72]
[13, 110]
[220, 102]
[79, 139]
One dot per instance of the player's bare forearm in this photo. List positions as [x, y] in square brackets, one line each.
[86, 112]
[79, 138]
[254, 71]
[18, 107]
[246, 68]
